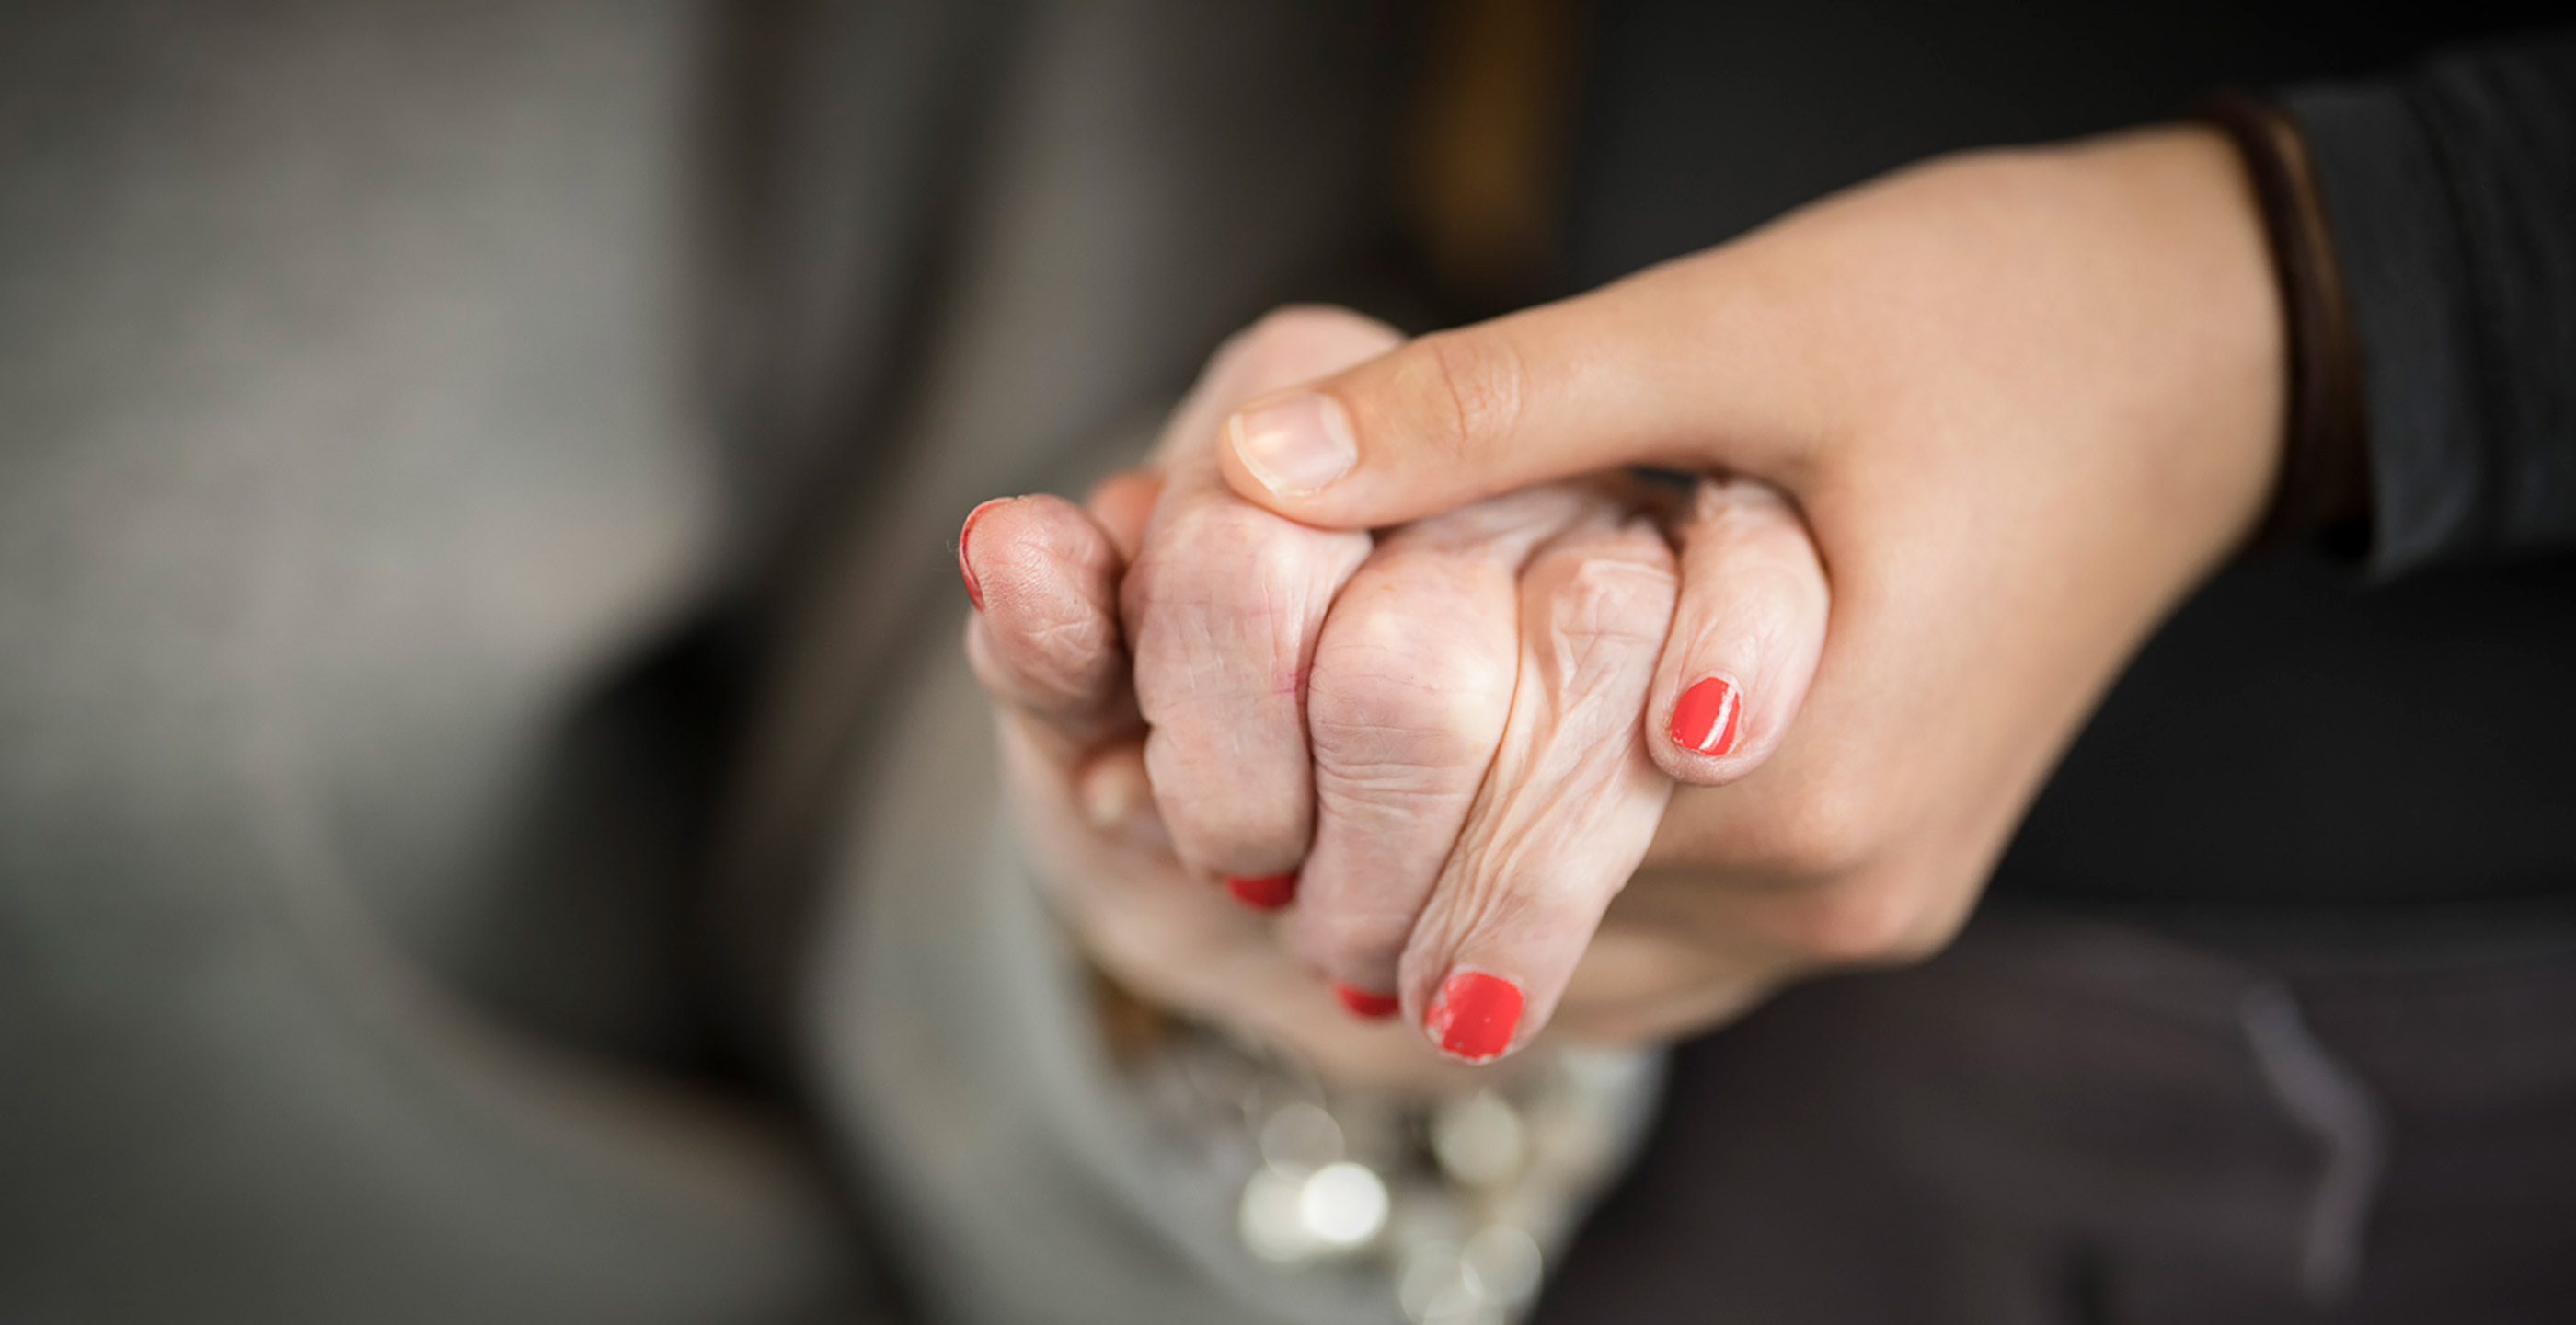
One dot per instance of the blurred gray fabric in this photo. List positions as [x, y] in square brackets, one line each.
[345, 361]
[387, 386]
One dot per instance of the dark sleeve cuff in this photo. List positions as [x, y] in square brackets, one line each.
[2451, 197]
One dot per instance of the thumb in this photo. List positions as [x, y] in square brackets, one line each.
[1683, 366]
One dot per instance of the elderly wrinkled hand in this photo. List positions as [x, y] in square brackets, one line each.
[1431, 739]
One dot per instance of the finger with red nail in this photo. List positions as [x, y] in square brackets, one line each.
[1406, 705]
[1045, 638]
[1567, 808]
[1746, 634]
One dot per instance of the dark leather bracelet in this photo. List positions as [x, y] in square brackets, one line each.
[2324, 490]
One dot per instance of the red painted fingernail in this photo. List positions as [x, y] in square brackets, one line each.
[1362, 1003]
[974, 591]
[1264, 892]
[1474, 1015]
[1706, 718]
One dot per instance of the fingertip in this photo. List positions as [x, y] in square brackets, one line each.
[1748, 632]
[1702, 736]
[1045, 638]
[965, 555]
[1263, 892]
[1113, 793]
[1293, 444]
[1452, 417]
[1038, 547]
[1707, 716]
[1294, 454]
[1365, 1005]
[1474, 1016]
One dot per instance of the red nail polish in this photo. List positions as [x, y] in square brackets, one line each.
[965, 568]
[1706, 717]
[1474, 1015]
[1362, 1003]
[1265, 892]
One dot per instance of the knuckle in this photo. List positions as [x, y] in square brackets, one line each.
[1228, 576]
[1468, 390]
[1828, 832]
[1613, 599]
[1606, 619]
[1865, 925]
[1210, 542]
[1739, 505]
[1389, 695]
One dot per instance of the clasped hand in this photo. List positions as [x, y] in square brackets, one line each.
[2017, 404]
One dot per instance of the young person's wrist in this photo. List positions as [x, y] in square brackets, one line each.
[2323, 493]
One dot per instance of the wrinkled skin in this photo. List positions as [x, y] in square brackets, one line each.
[2023, 403]
[1461, 781]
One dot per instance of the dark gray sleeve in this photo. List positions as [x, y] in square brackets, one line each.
[2450, 193]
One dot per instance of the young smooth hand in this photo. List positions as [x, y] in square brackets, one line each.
[2026, 401]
